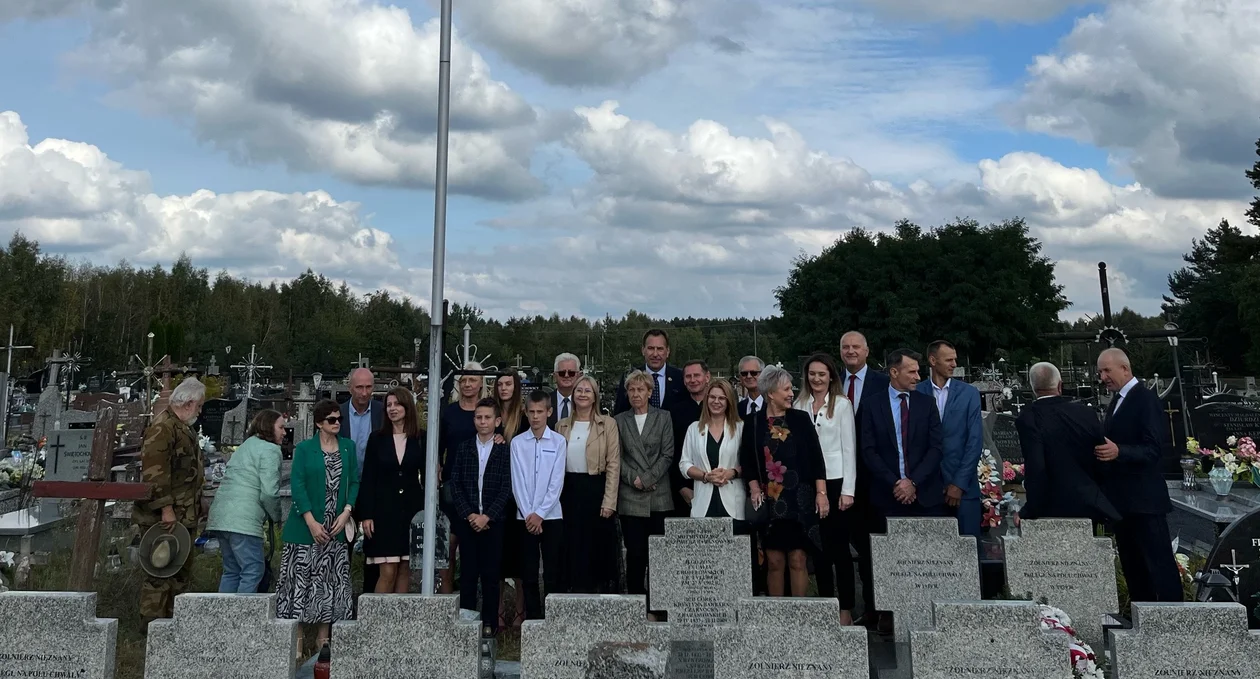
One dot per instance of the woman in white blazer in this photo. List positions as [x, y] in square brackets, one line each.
[822, 396]
[710, 457]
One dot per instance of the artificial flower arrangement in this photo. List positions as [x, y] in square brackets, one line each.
[1239, 457]
[18, 471]
[994, 502]
[1084, 661]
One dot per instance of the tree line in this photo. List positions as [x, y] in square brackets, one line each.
[993, 294]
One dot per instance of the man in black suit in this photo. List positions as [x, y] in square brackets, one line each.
[685, 412]
[902, 445]
[360, 416]
[861, 381]
[1130, 454]
[1061, 474]
[667, 379]
[749, 371]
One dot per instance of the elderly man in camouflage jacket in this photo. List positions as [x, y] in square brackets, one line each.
[172, 462]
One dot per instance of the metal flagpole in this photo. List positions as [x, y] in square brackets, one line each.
[435, 308]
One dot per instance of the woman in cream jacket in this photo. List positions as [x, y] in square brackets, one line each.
[710, 457]
[589, 497]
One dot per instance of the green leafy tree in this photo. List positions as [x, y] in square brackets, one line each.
[986, 289]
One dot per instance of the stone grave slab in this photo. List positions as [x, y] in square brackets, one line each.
[1215, 422]
[407, 635]
[1186, 640]
[55, 634]
[989, 639]
[790, 637]
[69, 454]
[1061, 560]
[76, 419]
[1002, 438]
[580, 629]
[234, 423]
[222, 635]
[919, 561]
[698, 571]
[47, 410]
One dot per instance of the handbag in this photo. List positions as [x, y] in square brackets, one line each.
[757, 517]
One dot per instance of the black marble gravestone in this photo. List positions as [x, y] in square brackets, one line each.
[1236, 555]
[1215, 422]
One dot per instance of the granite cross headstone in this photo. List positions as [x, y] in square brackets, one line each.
[222, 635]
[790, 637]
[919, 561]
[47, 412]
[55, 634]
[1000, 639]
[697, 573]
[1062, 561]
[234, 423]
[1186, 640]
[407, 635]
[580, 625]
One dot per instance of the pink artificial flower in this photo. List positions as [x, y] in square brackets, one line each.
[1247, 448]
[775, 470]
[1207, 452]
[1008, 474]
[991, 518]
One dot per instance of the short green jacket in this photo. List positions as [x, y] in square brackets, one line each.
[307, 481]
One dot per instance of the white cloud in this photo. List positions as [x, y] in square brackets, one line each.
[73, 198]
[44, 9]
[344, 86]
[973, 10]
[1168, 85]
[589, 42]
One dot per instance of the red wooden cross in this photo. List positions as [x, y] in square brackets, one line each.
[97, 489]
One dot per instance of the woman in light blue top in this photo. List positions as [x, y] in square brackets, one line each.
[248, 496]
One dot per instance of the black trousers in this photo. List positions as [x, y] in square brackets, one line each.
[836, 555]
[1146, 558]
[480, 554]
[586, 533]
[635, 531]
[550, 545]
[862, 519]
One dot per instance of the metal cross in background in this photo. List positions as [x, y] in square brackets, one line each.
[1233, 566]
[4, 386]
[72, 363]
[146, 374]
[251, 370]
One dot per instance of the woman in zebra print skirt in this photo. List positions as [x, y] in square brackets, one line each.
[314, 584]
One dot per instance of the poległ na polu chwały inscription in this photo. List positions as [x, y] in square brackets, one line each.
[1065, 571]
[918, 575]
[41, 665]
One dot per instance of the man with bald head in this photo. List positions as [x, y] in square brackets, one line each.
[1058, 437]
[1130, 455]
[861, 381]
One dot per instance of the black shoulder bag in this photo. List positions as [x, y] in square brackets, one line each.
[757, 517]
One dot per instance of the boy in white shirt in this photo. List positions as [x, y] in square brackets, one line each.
[538, 459]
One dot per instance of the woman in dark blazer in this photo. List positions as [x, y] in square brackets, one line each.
[644, 497]
[392, 491]
[782, 461]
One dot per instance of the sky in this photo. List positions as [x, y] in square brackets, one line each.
[669, 156]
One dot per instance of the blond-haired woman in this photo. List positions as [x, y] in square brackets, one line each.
[710, 456]
[589, 498]
[644, 497]
[455, 427]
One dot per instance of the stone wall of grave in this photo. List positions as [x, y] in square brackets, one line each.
[55, 634]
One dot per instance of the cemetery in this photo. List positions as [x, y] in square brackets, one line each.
[1034, 598]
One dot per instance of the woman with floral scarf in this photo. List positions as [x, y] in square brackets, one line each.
[783, 464]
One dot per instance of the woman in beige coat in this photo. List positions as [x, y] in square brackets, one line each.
[589, 498]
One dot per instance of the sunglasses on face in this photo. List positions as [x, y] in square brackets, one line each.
[333, 419]
[566, 373]
[749, 373]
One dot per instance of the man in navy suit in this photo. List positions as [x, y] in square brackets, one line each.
[862, 385]
[962, 437]
[901, 444]
[1130, 454]
[667, 379]
[360, 416]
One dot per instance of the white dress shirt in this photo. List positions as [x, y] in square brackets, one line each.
[1124, 391]
[759, 402]
[942, 396]
[837, 435]
[538, 473]
[561, 400]
[857, 388]
[483, 458]
[658, 378]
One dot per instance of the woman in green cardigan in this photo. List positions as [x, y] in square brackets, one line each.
[314, 584]
[247, 498]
